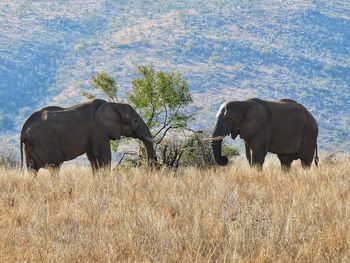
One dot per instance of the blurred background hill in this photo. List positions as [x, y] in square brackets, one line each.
[225, 49]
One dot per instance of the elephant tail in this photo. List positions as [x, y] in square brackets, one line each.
[316, 156]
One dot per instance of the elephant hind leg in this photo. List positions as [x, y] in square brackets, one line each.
[32, 166]
[306, 155]
[101, 154]
[54, 169]
[306, 163]
[286, 161]
[93, 162]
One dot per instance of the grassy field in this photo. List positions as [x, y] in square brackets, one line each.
[230, 214]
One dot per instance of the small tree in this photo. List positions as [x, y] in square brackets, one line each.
[162, 99]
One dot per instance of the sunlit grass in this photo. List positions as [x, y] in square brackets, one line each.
[231, 214]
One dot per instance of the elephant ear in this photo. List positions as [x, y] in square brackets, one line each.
[108, 118]
[126, 114]
[256, 118]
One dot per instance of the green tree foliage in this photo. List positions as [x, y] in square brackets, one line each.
[104, 83]
[162, 99]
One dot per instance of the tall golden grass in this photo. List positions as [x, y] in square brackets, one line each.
[230, 214]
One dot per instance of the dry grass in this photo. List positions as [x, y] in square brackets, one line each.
[230, 214]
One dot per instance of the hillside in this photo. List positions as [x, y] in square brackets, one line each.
[226, 50]
[231, 214]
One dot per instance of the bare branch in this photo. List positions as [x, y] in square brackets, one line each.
[166, 113]
[121, 159]
[165, 132]
[165, 125]
[178, 159]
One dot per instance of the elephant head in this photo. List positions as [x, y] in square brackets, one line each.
[118, 119]
[245, 118]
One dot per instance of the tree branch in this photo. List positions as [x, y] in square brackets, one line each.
[152, 114]
[165, 124]
[121, 159]
[165, 132]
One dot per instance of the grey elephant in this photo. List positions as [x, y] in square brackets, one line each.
[283, 127]
[54, 135]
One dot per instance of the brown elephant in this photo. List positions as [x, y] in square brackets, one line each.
[53, 135]
[283, 127]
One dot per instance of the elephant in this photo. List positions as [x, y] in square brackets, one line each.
[284, 127]
[54, 135]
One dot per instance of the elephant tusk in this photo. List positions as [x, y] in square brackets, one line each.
[149, 139]
[217, 138]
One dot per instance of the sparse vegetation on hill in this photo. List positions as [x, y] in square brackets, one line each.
[226, 50]
[231, 214]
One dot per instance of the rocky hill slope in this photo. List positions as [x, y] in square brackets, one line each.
[226, 50]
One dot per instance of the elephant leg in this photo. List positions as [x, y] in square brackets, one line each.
[306, 154]
[306, 163]
[286, 161]
[102, 155]
[248, 153]
[258, 158]
[103, 162]
[34, 169]
[93, 162]
[32, 166]
[55, 169]
[259, 146]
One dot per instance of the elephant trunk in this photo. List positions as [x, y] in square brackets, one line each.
[220, 130]
[217, 147]
[151, 157]
[143, 133]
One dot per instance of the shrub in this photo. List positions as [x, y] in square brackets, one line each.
[7, 156]
[194, 151]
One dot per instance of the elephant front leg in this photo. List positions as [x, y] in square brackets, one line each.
[104, 162]
[100, 156]
[258, 158]
[248, 153]
[259, 146]
[286, 161]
